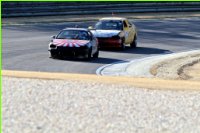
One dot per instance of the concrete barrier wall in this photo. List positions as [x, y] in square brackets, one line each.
[22, 9]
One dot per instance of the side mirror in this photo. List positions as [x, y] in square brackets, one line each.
[53, 37]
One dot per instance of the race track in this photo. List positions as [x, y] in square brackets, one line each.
[24, 47]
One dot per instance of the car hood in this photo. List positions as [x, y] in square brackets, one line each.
[105, 33]
[69, 42]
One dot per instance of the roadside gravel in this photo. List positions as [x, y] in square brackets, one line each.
[193, 71]
[52, 106]
[174, 68]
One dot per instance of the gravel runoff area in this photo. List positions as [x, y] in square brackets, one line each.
[192, 72]
[179, 67]
[183, 65]
[70, 106]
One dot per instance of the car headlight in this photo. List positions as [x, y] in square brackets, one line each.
[121, 34]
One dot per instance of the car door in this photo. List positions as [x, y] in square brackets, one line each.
[133, 31]
[128, 30]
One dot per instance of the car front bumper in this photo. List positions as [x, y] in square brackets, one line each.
[70, 51]
[109, 42]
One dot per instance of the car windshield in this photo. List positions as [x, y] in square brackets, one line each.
[109, 25]
[73, 34]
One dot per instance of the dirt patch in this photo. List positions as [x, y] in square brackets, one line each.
[192, 71]
[178, 68]
[148, 83]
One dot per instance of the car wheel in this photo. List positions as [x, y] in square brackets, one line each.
[134, 43]
[96, 55]
[52, 54]
[89, 54]
[122, 47]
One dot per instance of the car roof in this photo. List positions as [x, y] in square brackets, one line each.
[113, 18]
[79, 29]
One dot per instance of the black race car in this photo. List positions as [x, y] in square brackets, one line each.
[72, 42]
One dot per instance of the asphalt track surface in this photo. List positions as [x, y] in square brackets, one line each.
[24, 47]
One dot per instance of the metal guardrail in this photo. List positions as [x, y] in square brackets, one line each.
[22, 9]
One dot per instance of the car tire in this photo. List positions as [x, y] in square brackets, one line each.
[134, 43]
[122, 46]
[52, 54]
[96, 55]
[89, 54]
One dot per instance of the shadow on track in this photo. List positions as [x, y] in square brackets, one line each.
[139, 50]
[103, 60]
[100, 60]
